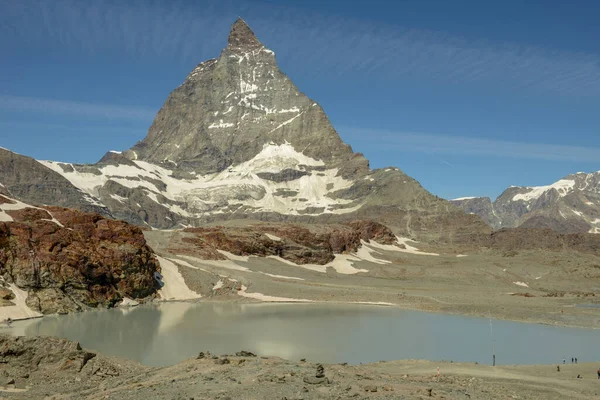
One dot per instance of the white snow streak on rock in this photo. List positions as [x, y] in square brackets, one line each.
[342, 264]
[221, 124]
[18, 205]
[273, 237]
[218, 285]
[408, 248]
[366, 253]
[174, 286]
[20, 309]
[578, 213]
[266, 298]
[283, 276]
[289, 121]
[233, 257]
[187, 264]
[464, 198]
[4, 217]
[118, 198]
[521, 284]
[127, 302]
[227, 264]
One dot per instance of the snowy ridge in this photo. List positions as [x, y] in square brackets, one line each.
[570, 205]
[563, 187]
[237, 186]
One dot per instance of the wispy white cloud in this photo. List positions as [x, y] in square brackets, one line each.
[72, 108]
[191, 32]
[470, 146]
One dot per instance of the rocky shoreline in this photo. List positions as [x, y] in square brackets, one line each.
[50, 368]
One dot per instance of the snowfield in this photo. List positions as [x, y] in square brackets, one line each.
[237, 186]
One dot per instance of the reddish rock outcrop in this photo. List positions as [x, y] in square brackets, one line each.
[316, 244]
[69, 260]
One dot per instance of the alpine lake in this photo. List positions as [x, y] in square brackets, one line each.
[167, 333]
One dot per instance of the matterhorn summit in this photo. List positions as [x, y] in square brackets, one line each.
[238, 140]
[228, 108]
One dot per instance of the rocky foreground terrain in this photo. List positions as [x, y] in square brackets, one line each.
[50, 368]
[55, 260]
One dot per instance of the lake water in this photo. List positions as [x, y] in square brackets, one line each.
[164, 334]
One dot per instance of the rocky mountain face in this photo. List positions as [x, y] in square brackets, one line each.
[67, 260]
[25, 178]
[570, 205]
[238, 140]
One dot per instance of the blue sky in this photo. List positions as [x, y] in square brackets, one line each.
[468, 97]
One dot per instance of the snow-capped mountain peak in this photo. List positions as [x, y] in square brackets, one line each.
[571, 204]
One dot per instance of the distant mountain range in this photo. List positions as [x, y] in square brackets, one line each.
[569, 205]
[238, 140]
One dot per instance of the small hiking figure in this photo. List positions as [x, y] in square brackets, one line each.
[558, 368]
[578, 376]
[8, 321]
[572, 360]
[564, 361]
[575, 360]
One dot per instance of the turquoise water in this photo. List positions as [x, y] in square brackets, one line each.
[168, 333]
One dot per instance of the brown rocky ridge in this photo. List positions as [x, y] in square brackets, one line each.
[316, 244]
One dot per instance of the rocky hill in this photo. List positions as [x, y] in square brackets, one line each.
[238, 140]
[296, 244]
[570, 205]
[54, 259]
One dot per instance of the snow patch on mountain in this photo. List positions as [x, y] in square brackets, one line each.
[464, 198]
[221, 124]
[238, 185]
[563, 187]
[174, 286]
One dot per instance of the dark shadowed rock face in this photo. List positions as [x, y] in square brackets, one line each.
[69, 260]
[316, 244]
[571, 205]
